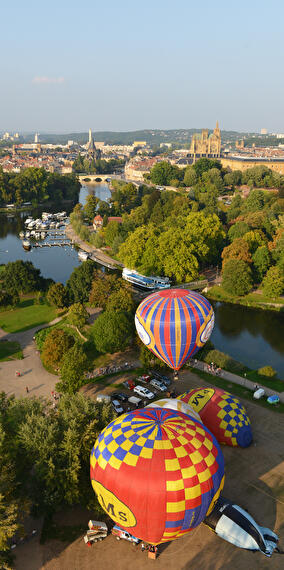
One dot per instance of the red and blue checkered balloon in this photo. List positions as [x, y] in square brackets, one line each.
[157, 473]
[174, 324]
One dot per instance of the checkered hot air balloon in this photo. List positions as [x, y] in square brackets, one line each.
[174, 324]
[157, 473]
[222, 413]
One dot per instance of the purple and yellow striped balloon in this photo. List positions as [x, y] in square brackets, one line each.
[174, 324]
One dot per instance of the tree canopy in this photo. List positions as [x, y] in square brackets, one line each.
[112, 331]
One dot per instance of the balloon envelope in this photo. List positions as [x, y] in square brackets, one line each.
[222, 413]
[175, 404]
[174, 324]
[157, 473]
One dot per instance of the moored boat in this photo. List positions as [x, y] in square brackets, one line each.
[147, 282]
[26, 244]
[83, 255]
[22, 235]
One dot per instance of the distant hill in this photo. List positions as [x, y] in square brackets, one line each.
[153, 137]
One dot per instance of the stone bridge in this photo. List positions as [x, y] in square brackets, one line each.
[96, 177]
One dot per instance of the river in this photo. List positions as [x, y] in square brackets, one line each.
[254, 337]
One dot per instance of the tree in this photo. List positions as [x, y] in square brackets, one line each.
[237, 230]
[254, 201]
[112, 331]
[237, 277]
[57, 343]
[204, 164]
[273, 282]
[8, 299]
[190, 176]
[72, 370]
[111, 232]
[103, 285]
[57, 295]
[261, 261]
[238, 249]
[255, 239]
[21, 277]
[80, 281]
[163, 172]
[121, 300]
[78, 315]
[90, 207]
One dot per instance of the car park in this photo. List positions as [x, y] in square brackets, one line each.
[130, 384]
[161, 377]
[120, 533]
[143, 392]
[117, 406]
[119, 396]
[158, 384]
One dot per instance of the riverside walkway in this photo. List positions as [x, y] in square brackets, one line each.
[235, 379]
[95, 254]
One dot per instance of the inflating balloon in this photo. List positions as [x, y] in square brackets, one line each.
[175, 404]
[222, 413]
[157, 473]
[174, 324]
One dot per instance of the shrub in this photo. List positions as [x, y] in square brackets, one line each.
[267, 371]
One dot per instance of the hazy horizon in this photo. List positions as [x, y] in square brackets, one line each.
[125, 67]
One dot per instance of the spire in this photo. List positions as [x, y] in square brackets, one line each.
[217, 125]
[90, 136]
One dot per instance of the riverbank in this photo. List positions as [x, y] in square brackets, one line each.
[254, 300]
[95, 254]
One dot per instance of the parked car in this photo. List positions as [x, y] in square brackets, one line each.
[135, 401]
[119, 396]
[162, 377]
[120, 533]
[117, 406]
[158, 384]
[145, 378]
[143, 392]
[130, 384]
[259, 393]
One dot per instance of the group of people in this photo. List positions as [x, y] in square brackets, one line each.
[109, 370]
[149, 548]
[212, 368]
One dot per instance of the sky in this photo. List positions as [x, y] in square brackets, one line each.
[124, 65]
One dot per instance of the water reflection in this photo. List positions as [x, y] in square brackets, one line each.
[254, 337]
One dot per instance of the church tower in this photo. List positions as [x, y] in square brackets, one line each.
[91, 148]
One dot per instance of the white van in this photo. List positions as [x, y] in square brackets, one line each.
[259, 394]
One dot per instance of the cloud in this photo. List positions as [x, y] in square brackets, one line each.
[44, 79]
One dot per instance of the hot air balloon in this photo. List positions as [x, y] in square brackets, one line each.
[222, 413]
[157, 473]
[175, 404]
[174, 324]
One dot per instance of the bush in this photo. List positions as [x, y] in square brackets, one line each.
[112, 331]
[237, 277]
[57, 343]
[267, 371]
[40, 337]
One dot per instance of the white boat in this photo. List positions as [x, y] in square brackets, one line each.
[26, 244]
[147, 282]
[44, 226]
[37, 235]
[27, 234]
[83, 255]
[60, 215]
[22, 235]
[52, 225]
[33, 233]
[42, 235]
[31, 225]
[28, 221]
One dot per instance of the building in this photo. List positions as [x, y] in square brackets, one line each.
[97, 222]
[204, 145]
[92, 151]
[36, 138]
[137, 167]
[263, 131]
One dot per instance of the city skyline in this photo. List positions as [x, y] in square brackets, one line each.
[118, 68]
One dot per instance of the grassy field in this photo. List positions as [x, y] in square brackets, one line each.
[26, 315]
[255, 300]
[10, 351]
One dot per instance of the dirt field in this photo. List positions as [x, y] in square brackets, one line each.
[254, 480]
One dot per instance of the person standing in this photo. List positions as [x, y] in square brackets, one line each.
[27, 389]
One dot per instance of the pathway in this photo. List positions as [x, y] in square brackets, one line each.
[33, 374]
[96, 254]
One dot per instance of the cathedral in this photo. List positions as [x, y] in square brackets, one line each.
[92, 152]
[203, 145]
